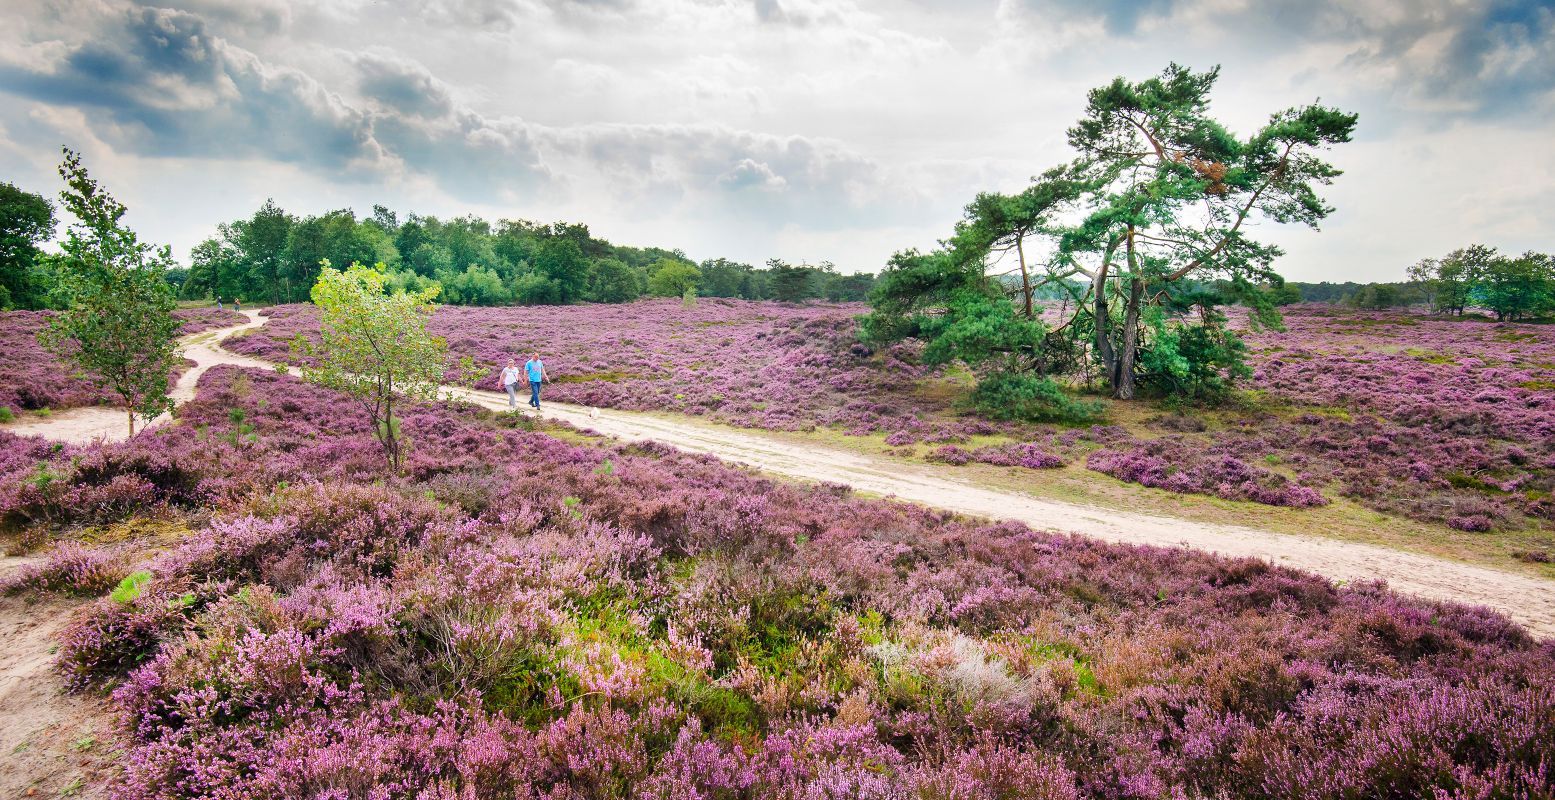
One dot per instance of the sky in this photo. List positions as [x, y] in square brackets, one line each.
[808, 130]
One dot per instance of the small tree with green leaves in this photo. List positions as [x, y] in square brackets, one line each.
[1450, 281]
[119, 327]
[669, 277]
[374, 347]
[1517, 288]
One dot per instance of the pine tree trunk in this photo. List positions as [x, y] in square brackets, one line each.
[1025, 277]
[1103, 325]
[1128, 356]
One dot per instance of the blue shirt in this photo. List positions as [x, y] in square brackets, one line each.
[534, 367]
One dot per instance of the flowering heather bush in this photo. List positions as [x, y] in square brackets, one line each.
[522, 616]
[32, 378]
[1017, 455]
[70, 569]
[1178, 465]
[1451, 420]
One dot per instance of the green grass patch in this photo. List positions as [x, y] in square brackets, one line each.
[129, 588]
[1465, 481]
[603, 376]
[1431, 357]
[1077, 661]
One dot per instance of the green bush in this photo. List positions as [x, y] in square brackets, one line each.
[1193, 364]
[6, 414]
[1009, 395]
[534, 289]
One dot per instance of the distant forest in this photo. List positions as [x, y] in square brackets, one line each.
[274, 256]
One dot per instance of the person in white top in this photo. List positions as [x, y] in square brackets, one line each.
[510, 382]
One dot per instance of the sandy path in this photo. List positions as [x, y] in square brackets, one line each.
[1527, 599]
[50, 742]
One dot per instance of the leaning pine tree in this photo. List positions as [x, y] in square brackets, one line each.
[1168, 193]
[374, 347]
[119, 328]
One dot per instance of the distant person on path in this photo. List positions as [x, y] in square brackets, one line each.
[218, 305]
[237, 305]
[510, 382]
[534, 369]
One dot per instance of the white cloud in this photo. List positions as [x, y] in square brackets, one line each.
[803, 129]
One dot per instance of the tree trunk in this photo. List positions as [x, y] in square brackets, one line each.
[130, 412]
[1103, 323]
[1123, 376]
[390, 444]
[1128, 355]
[1025, 277]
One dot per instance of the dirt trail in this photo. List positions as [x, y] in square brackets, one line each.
[50, 743]
[1529, 600]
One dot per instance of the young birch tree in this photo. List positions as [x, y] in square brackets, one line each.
[375, 347]
[119, 328]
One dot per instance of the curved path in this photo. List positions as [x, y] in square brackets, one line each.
[1527, 599]
[82, 425]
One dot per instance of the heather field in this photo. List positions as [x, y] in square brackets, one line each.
[33, 379]
[1448, 421]
[536, 613]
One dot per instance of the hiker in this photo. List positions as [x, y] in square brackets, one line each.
[237, 304]
[534, 369]
[218, 305]
[510, 382]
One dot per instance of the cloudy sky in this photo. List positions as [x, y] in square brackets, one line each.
[810, 130]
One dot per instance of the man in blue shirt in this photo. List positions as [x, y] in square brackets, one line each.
[534, 369]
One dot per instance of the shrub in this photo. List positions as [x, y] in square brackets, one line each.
[1175, 465]
[1016, 396]
[1193, 363]
[71, 568]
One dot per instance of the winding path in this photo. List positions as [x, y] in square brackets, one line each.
[82, 425]
[1527, 599]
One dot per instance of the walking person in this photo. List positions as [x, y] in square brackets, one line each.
[510, 382]
[534, 369]
[237, 304]
[218, 304]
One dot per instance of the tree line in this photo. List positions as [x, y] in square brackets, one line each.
[1511, 287]
[1477, 277]
[274, 256]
